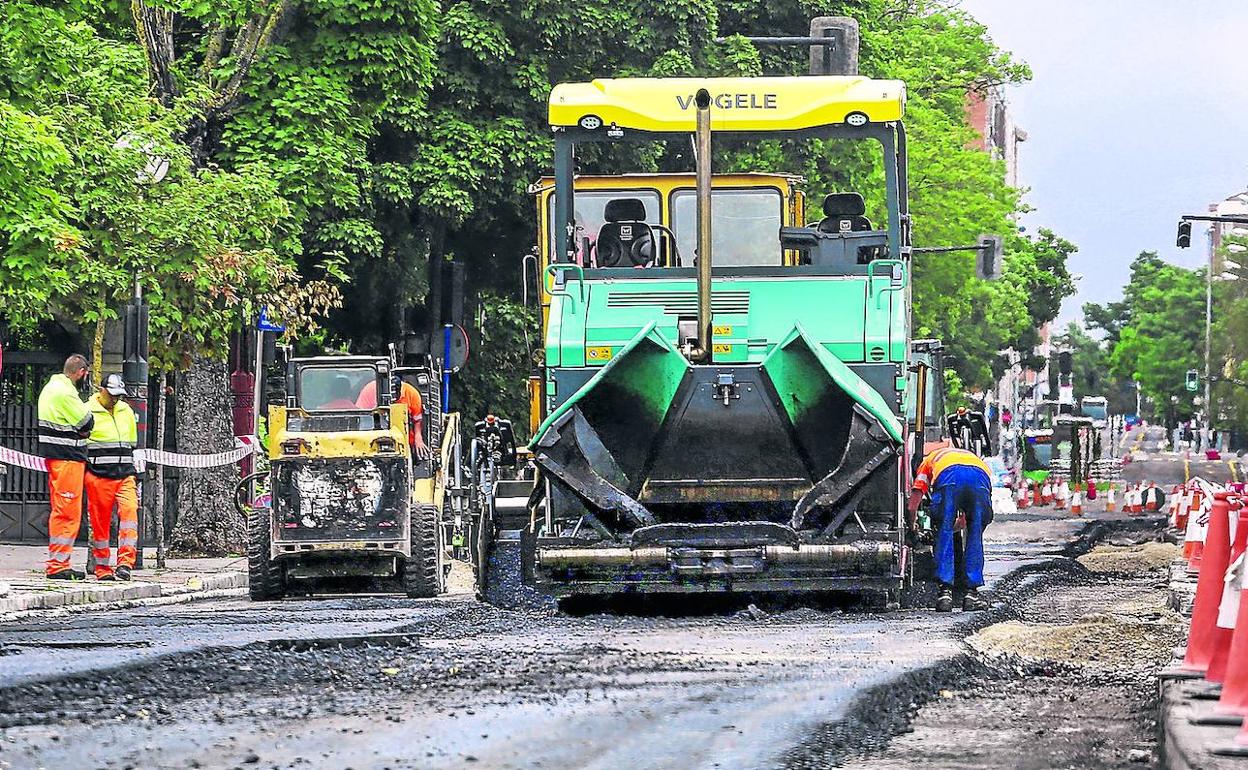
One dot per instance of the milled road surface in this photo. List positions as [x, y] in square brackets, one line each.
[229, 683]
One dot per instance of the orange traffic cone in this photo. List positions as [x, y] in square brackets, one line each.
[1197, 531]
[1022, 495]
[1185, 508]
[1234, 699]
[1047, 493]
[1151, 498]
[1228, 607]
[1202, 635]
[1063, 495]
[1076, 502]
[1110, 505]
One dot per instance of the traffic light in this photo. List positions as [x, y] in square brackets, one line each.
[1184, 238]
[988, 260]
[1193, 380]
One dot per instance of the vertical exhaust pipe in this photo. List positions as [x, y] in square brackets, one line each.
[703, 143]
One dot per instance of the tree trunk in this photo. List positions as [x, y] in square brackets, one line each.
[97, 355]
[208, 523]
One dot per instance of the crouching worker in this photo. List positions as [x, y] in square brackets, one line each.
[958, 482]
[110, 479]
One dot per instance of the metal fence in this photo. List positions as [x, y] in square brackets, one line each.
[23, 493]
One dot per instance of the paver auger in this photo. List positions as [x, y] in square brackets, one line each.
[723, 385]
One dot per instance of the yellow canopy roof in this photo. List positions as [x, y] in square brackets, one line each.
[737, 104]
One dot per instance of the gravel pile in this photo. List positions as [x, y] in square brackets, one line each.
[1130, 559]
[1099, 640]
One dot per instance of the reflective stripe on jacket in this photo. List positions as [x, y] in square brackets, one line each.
[64, 421]
[110, 448]
[941, 460]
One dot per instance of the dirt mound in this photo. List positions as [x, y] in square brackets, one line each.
[1130, 559]
[1132, 637]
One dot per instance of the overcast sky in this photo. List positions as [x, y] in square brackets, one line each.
[1137, 112]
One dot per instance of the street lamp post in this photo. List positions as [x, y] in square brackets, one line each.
[1208, 325]
[135, 374]
[1183, 241]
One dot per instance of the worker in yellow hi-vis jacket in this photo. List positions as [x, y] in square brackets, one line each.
[110, 480]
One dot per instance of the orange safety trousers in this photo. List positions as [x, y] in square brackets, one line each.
[102, 495]
[65, 483]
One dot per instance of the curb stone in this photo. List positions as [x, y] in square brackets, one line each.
[1183, 745]
[88, 595]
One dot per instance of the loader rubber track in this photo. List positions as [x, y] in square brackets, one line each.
[265, 579]
[423, 577]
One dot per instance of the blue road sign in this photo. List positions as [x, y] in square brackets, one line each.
[265, 325]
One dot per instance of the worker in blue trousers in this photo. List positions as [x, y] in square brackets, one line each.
[958, 482]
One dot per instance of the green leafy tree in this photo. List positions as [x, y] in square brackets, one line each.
[1160, 331]
[398, 135]
[119, 195]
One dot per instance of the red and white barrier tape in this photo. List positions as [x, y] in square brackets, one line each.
[173, 459]
[142, 457]
[23, 460]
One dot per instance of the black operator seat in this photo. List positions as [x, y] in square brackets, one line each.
[844, 239]
[844, 212]
[625, 239]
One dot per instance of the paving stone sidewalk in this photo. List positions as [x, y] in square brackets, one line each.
[23, 587]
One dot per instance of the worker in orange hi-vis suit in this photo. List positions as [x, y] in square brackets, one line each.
[64, 424]
[404, 393]
[111, 479]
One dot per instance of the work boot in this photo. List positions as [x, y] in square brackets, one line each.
[68, 574]
[122, 573]
[944, 603]
[105, 578]
[973, 602]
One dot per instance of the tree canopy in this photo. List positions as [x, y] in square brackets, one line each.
[1156, 333]
[101, 190]
[346, 145]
